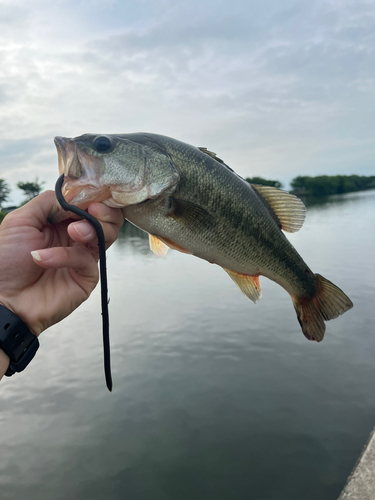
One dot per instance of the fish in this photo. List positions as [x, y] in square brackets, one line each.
[187, 199]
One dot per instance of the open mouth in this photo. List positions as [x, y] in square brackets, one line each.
[80, 186]
[87, 180]
[69, 163]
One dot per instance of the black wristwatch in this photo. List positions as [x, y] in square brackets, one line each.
[16, 340]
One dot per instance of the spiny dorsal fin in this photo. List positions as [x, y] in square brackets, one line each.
[249, 285]
[157, 246]
[213, 155]
[288, 209]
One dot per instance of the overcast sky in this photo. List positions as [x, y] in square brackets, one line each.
[275, 88]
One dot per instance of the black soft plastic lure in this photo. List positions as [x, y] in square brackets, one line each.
[103, 274]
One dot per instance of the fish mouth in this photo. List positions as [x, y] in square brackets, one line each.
[79, 196]
[69, 164]
[81, 183]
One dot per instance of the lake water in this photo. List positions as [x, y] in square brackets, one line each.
[214, 397]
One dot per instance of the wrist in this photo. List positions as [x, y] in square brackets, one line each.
[17, 342]
[17, 310]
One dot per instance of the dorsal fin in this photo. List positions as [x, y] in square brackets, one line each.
[157, 246]
[249, 285]
[213, 155]
[287, 208]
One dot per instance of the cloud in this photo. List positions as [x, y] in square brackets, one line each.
[277, 89]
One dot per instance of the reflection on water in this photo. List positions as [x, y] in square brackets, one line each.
[336, 199]
[213, 396]
[131, 237]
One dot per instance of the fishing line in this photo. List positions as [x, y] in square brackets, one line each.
[103, 274]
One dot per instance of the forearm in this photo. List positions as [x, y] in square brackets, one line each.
[4, 363]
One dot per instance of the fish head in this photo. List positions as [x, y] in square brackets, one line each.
[117, 170]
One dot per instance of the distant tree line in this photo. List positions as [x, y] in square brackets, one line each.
[324, 185]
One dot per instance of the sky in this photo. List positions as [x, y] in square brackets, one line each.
[276, 88]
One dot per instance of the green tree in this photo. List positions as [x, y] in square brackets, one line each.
[324, 185]
[264, 182]
[4, 192]
[31, 189]
[300, 182]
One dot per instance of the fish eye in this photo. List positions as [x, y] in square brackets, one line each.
[102, 144]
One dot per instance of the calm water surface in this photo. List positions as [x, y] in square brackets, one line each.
[214, 398]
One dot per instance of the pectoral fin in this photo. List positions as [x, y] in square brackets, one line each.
[249, 285]
[157, 246]
[190, 215]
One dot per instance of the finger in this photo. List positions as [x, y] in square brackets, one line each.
[111, 220]
[77, 257]
[107, 214]
[84, 232]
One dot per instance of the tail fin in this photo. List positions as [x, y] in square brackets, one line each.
[328, 302]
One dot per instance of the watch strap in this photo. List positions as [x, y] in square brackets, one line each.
[16, 340]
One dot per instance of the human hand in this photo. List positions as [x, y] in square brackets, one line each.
[45, 288]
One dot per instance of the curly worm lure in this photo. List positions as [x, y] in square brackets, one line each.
[103, 274]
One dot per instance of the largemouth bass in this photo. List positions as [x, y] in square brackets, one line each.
[189, 200]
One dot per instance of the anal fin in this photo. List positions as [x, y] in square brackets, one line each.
[157, 246]
[249, 285]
